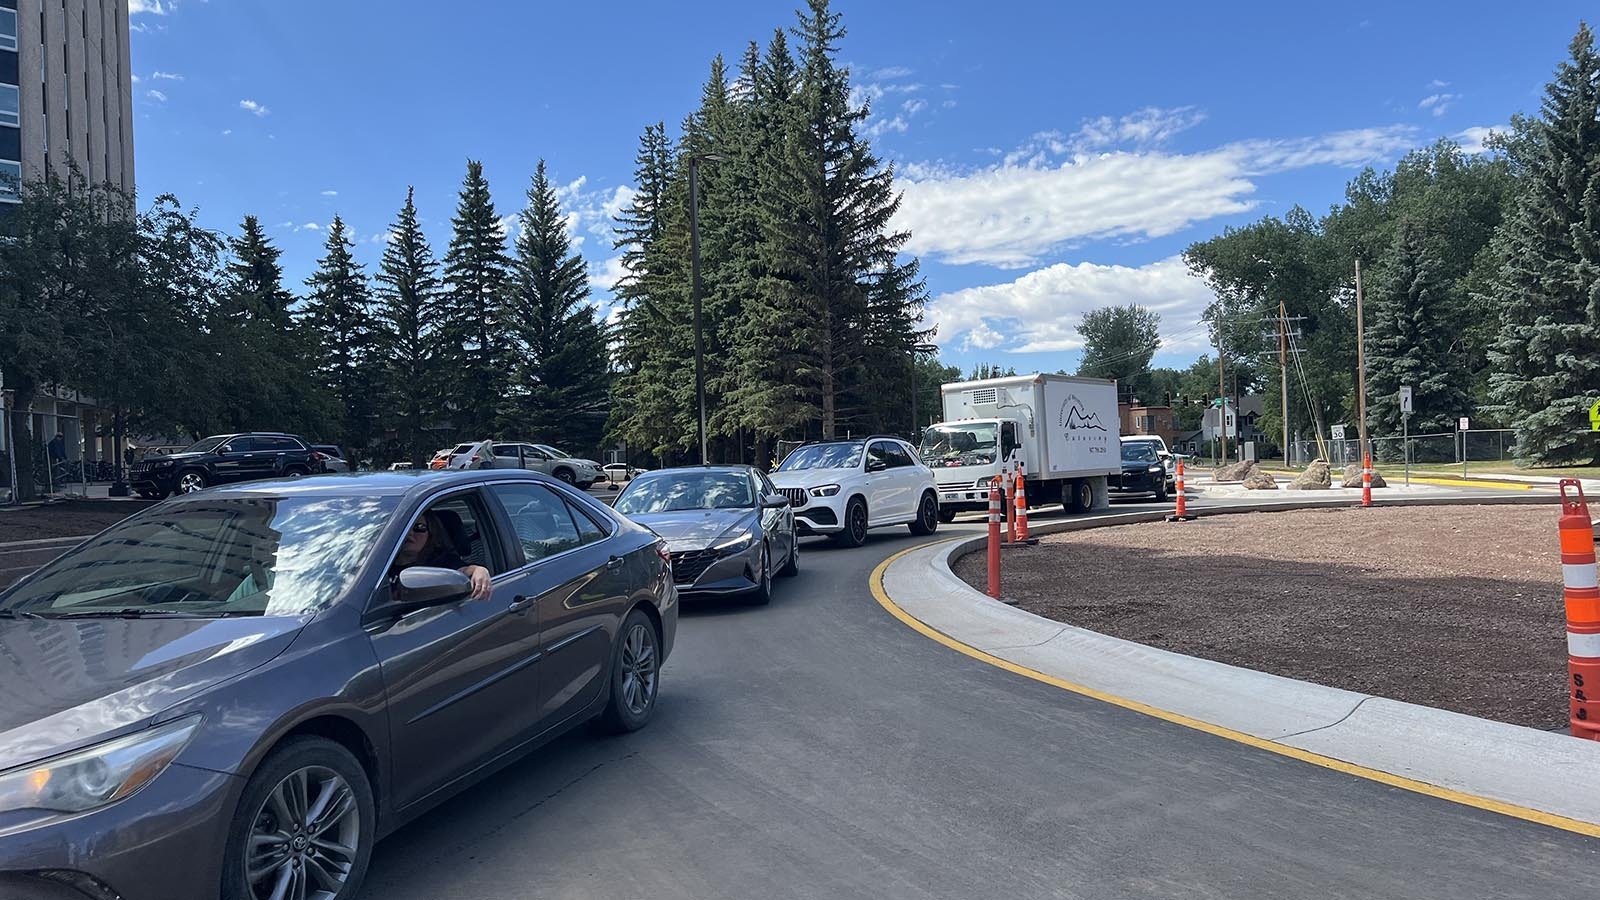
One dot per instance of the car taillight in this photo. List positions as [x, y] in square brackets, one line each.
[474, 457]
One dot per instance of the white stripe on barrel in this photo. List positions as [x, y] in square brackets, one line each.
[1580, 575]
[1583, 646]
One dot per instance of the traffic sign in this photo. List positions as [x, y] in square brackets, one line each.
[1405, 399]
[1466, 425]
[1338, 432]
[1594, 416]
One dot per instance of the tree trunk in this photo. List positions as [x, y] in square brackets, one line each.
[22, 391]
[829, 400]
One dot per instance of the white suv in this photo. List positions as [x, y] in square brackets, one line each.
[842, 488]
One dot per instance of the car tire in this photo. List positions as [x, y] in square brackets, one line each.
[927, 521]
[762, 595]
[191, 481]
[791, 567]
[635, 675]
[947, 515]
[1161, 492]
[566, 475]
[295, 472]
[1077, 496]
[323, 765]
[855, 524]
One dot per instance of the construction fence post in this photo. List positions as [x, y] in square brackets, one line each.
[1583, 610]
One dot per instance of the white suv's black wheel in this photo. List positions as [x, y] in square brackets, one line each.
[304, 827]
[927, 521]
[855, 524]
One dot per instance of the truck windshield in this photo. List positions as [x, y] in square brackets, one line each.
[960, 444]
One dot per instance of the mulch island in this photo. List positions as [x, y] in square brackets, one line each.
[1455, 607]
[69, 518]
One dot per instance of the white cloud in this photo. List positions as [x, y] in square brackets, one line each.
[1472, 139]
[254, 108]
[879, 127]
[890, 73]
[914, 106]
[330, 193]
[154, 7]
[1038, 198]
[1146, 127]
[310, 226]
[137, 79]
[604, 277]
[1040, 311]
[156, 96]
[227, 131]
[1438, 103]
[1436, 84]
[166, 76]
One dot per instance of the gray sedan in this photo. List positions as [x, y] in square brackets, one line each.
[727, 527]
[238, 691]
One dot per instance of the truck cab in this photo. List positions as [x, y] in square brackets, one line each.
[966, 457]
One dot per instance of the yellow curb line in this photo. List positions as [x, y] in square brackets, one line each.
[1472, 482]
[1316, 759]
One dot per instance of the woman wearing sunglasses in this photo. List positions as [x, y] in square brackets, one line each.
[427, 544]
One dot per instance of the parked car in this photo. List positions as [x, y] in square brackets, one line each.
[239, 690]
[333, 458]
[441, 459]
[1142, 472]
[621, 471]
[224, 459]
[727, 527]
[1159, 444]
[531, 457]
[843, 488]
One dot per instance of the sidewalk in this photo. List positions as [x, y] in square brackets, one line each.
[1523, 772]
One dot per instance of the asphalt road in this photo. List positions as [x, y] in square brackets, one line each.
[817, 748]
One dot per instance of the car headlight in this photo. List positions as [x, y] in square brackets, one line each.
[1155, 470]
[827, 490]
[737, 543]
[164, 464]
[98, 776]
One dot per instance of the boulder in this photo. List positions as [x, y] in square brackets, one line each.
[1316, 477]
[1257, 480]
[1235, 471]
[1352, 477]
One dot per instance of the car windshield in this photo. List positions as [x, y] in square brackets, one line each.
[676, 491]
[843, 455]
[205, 445]
[1140, 452]
[558, 454]
[462, 448]
[220, 557]
[960, 444]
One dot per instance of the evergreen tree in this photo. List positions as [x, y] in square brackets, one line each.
[560, 373]
[477, 273]
[1409, 343]
[1547, 285]
[407, 315]
[338, 312]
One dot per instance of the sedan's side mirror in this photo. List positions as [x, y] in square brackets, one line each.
[774, 501]
[423, 586]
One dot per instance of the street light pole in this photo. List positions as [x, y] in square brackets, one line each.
[694, 292]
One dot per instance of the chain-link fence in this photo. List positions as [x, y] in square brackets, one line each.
[1478, 445]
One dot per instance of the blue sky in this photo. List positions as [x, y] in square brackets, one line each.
[1055, 157]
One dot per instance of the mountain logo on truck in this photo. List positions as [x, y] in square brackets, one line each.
[1074, 417]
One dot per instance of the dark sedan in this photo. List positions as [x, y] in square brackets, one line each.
[727, 527]
[236, 692]
[1142, 472]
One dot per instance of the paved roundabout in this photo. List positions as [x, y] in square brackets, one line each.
[822, 748]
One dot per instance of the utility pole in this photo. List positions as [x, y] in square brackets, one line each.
[1283, 373]
[1361, 363]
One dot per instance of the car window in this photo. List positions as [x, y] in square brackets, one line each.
[276, 444]
[587, 529]
[462, 448]
[767, 487]
[469, 531]
[544, 523]
[881, 452]
[898, 457]
[241, 444]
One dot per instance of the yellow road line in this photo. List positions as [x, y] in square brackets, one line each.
[1476, 482]
[1250, 740]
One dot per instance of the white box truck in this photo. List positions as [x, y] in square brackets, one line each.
[1064, 429]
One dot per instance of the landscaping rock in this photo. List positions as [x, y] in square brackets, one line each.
[1235, 471]
[1257, 480]
[1352, 477]
[1316, 477]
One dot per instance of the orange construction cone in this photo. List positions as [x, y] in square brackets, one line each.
[1181, 514]
[994, 540]
[1366, 480]
[1583, 610]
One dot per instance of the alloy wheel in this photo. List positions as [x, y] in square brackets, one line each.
[930, 513]
[191, 482]
[639, 668]
[305, 840]
[858, 523]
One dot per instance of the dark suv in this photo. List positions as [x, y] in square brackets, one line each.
[224, 459]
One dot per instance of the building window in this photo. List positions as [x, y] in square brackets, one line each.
[10, 105]
[10, 181]
[8, 29]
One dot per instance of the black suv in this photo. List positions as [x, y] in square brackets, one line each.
[223, 459]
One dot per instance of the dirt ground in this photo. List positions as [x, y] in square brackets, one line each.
[67, 519]
[1453, 607]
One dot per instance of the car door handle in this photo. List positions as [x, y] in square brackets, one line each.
[521, 603]
[614, 562]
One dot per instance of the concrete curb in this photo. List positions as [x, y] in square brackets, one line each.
[1505, 765]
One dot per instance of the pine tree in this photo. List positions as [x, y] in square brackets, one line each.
[1546, 359]
[559, 373]
[1409, 341]
[477, 272]
[408, 335]
[338, 312]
